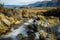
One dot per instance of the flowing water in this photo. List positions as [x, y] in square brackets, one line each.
[23, 29]
[20, 30]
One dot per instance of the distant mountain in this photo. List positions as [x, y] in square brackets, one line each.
[45, 3]
[37, 4]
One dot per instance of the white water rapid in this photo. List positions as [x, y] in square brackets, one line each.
[20, 30]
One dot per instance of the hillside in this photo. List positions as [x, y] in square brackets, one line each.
[12, 17]
[46, 4]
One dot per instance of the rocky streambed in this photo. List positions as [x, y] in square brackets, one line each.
[34, 30]
[29, 24]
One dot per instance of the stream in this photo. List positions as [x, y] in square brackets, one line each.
[22, 29]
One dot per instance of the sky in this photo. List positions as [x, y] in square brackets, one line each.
[19, 2]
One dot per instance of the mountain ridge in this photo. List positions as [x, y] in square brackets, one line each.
[45, 3]
[37, 4]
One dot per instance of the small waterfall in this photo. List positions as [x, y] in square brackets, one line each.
[20, 30]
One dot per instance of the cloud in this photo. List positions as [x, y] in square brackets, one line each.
[19, 2]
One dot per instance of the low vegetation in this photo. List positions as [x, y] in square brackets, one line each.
[14, 16]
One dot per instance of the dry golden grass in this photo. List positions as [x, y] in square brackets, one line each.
[13, 16]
